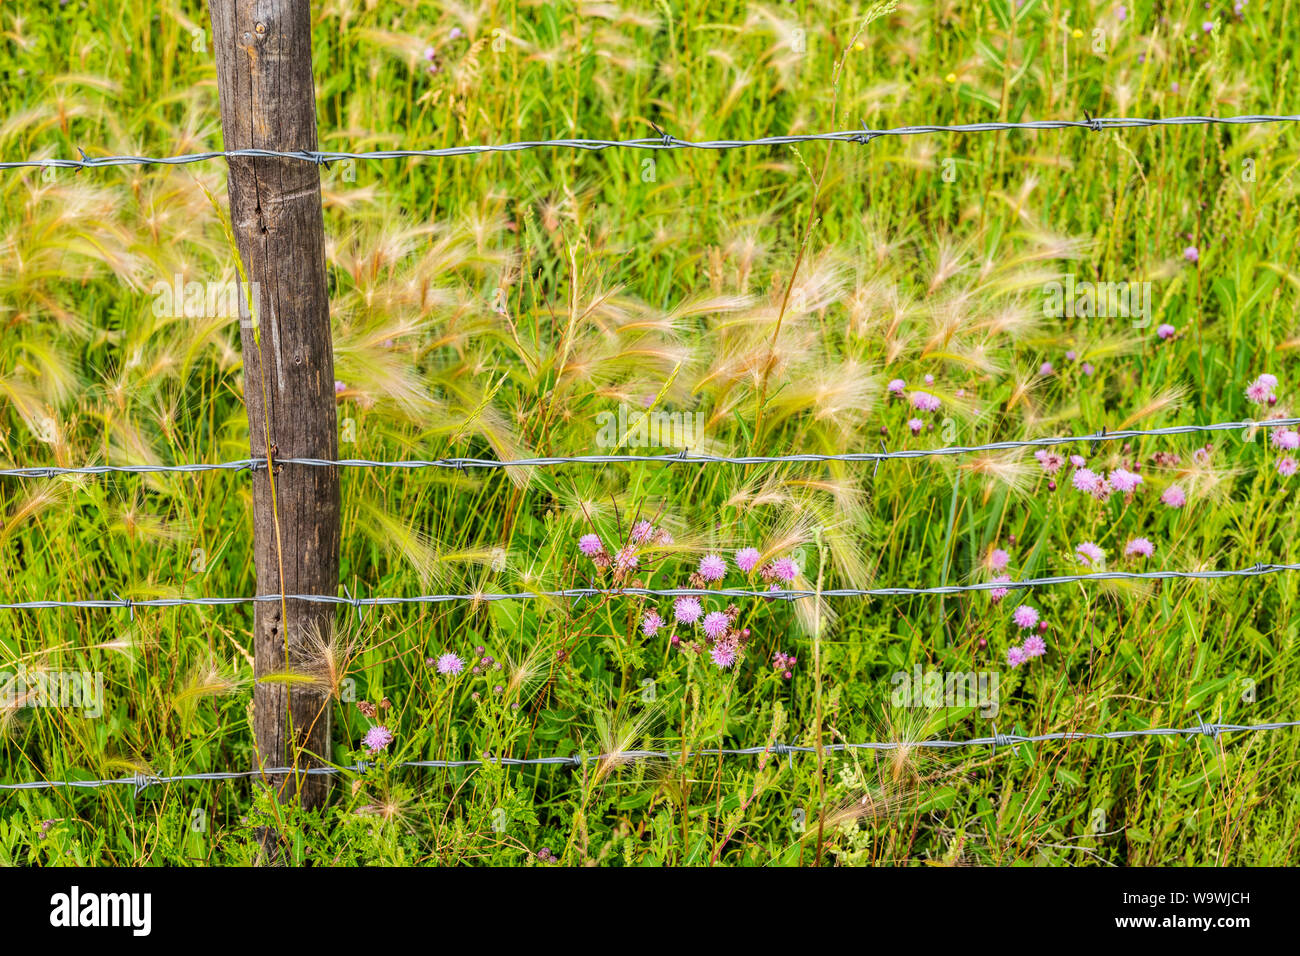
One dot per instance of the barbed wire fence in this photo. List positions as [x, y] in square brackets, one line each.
[140, 781]
[578, 594]
[664, 141]
[683, 457]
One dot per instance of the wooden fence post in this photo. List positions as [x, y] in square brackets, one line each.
[264, 77]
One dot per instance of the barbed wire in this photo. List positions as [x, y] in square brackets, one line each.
[141, 781]
[664, 141]
[775, 593]
[682, 457]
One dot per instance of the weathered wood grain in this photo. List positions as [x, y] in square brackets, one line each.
[264, 73]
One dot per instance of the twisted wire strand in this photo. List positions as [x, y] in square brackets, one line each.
[665, 141]
[683, 457]
[141, 781]
[780, 594]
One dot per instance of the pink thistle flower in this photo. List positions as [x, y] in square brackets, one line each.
[997, 594]
[1165, 331]
[642, 532]
[785, 569]
[1261, 390]
[377, 738]
[1025, 616]
[1015, 656]
[746, 558]
[712, 567]
[897, 386]
[1191, 253]
[1287, 438]
[925, 402]
[1078, 461]
[1173, 497]
[1045, 369]
[1139, 547]
[1090, 554]
[1050, 460]
[449, 664]
[1286, 467]
[1088, 481]
[716, 624]
[626, 560]
[663, 538]
[651, 623]
[929, 380]
[1035, 646]
[687, 610]
[1124, 481]
[339, 387]
[998, 559]
[915, 424]
[430, 53]
[589, 544]
[723, 654]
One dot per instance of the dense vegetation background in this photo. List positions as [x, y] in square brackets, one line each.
[505, 305]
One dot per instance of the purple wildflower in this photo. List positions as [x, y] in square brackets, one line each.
[450, 664]
[687, 610]
[1124, 481]
[1025, 616]
[716, 624]
[1090, 554]
[1050, 460]
[925, 402]
[723, 654]
[785, 569]
[1139, 547]
[713, 567]
[1286, 438]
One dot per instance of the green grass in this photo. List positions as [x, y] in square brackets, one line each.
[615, 286]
